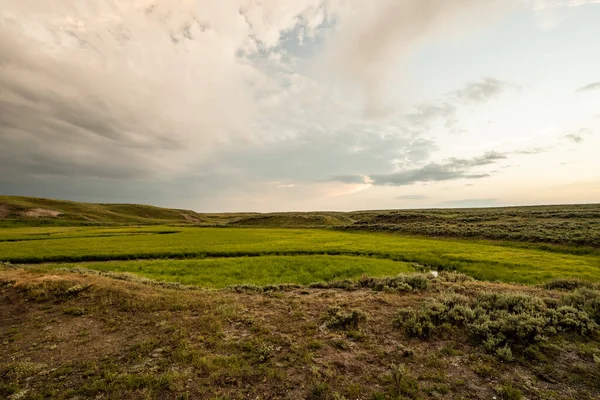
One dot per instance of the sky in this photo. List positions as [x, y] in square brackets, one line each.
[299, 105]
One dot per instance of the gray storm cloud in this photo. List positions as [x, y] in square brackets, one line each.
[453, 168]
[222, 92]
[152, 88]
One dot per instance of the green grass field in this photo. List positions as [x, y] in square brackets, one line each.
[569, 225]
[260, 271]
[216, 257]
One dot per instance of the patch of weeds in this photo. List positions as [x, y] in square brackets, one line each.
[355, 335]
[509, 392]
[569, 284]
[245, 288]
[7, 389]
[76, 311]
[228, 311]
[344, 320]
[505, 354]
[400, 283]
[257, 351]
[314, 344]
[319, 390]
[401, 383]
[14, 334]
[405, 351]
[143, 349]
[450, 351]
[339, 344]
[454, 277]
[437, 389]
[354, 390]
[338, 396]
[53, 290]
[484, 370]
[533, 353]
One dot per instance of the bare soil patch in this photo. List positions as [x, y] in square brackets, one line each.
[41, 213]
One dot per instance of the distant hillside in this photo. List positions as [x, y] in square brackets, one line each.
[562, 224]
[38, 211]
[295, 220]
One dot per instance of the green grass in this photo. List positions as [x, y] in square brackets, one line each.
[261, 271]
[568, 225]
[14, 212]
[482, 260]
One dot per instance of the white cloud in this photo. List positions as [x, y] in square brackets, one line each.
[154, 87]
[225, 92]
[373, 38]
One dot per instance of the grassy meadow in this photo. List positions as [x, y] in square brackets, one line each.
[569, 225]
[259, 271]
[247, 247]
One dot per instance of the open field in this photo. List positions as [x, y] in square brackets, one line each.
[481, 260]
[145, 305]
[266, 270]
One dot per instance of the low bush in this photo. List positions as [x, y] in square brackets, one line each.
[401, 283]
[569, 284]
[505, 323]
[344, 320]
[509, 392]
[586, 300]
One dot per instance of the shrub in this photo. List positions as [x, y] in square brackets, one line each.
[401, 283]
[585, 300]
[454, 277]
[319, 390]
[568, 284]
[77, 311]
[344, 320]
[402, 384]
[509, 392]
[503, 323]
[505, 353]
[416, 323]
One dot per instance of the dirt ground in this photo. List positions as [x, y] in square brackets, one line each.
[65, 335]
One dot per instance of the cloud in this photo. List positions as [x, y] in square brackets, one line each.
[139, 100]
[589, 88]
[543, 4]
[451, 169]
[536, 150]
[373, 38]
[139, 90]
[445, 109]
[412, 197]
[580, 136]
[551, 13]
[480, 91]
[471, 203]
[574, 138]
[154, 90]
